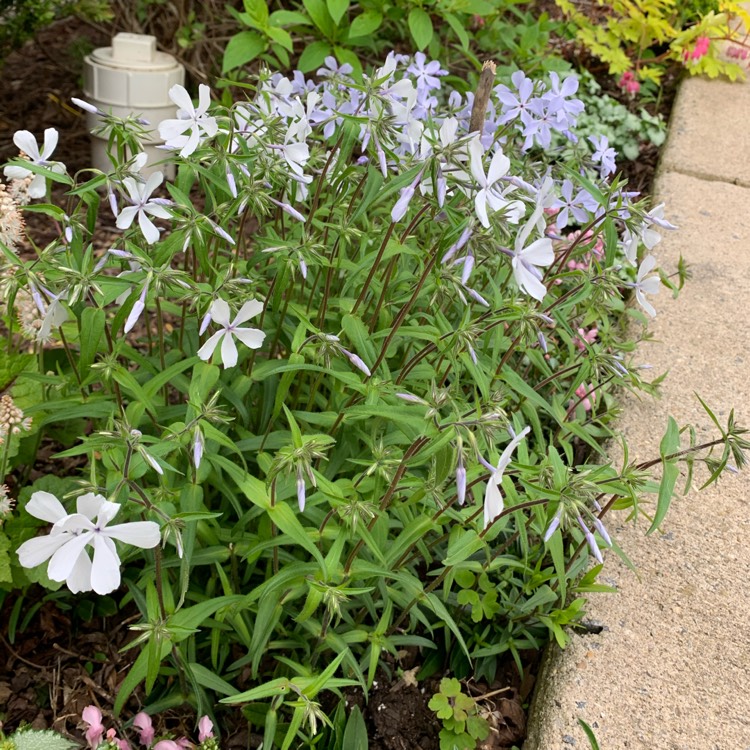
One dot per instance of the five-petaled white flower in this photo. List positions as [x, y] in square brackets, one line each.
[493, 498]
[490, 193]
[189, 118]
[650, 285]
[65, 545]
[250, 337]
[26, 143]
[139, 194]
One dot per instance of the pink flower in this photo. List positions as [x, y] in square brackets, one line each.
[142, 722]
[629, 83]
[585, 337]
[166, 745]
[588, 401]
[702, 43]
[112, 737]
[93, 717]
[205, 729]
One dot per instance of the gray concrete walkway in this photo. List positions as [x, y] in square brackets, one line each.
[671, 669]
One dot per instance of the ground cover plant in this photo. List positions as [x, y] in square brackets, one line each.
[341, 389]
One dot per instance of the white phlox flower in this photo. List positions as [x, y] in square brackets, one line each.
[25, 142]
[645, 284]
[54, 316]
[139, 194]
[493, 497]
[491, 194]
[250, 337]
[65, 545]
[528, 259]
[189, 118]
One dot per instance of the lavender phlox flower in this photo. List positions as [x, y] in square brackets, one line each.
[426, 73]
[604, 155]
[493, 498]
[26, 143]
[591, 539]
[460, 242]
[542, 341]
[553, 525]
[460, 478]
[231, 183]
[198, 446]
[250, 337]
[301, 496]
[356, 361]
[189, 118]
[293, 212]
[468, 267]
[207, 318]
[514, 104]
[112, 198]
[249, 126]
[645, 284]
[581, 206]
[138, 307]
[490, 194]
[599, 526]
[411, 398]
[142, 206]
[564, 109]
[538, 122]
[92, 108]
[406, 194]
[332, 68]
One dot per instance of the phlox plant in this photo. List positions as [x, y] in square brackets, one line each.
[341, 388]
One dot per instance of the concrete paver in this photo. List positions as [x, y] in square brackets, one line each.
[671, 669]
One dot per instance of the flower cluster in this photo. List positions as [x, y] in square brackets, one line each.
[98, 736]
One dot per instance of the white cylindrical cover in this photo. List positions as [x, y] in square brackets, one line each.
[131, 77]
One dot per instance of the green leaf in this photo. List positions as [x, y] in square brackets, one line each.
[92, 328]
[5, 574]
[241, 49]
[365, 24]
[282, 37]
[669, 445]
[318, 12]
[589, 734]
[314, 56]
[355, 733]
[337, 9]
[458, 28]
[462, 545]
[258, 12]
[420, 25]
[288, 18]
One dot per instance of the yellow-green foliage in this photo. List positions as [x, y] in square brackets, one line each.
[634, 28]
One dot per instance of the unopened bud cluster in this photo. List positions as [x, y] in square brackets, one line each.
[11, 220]
[12, 420]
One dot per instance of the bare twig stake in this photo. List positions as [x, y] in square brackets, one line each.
[482, 97]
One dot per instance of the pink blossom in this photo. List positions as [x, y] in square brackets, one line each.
[585, 337]
[739, 53]
[166, 745]
[629, 83]
[588, 400]
[93, 717]
[142, 722]
[205, 729]
[702, 43]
